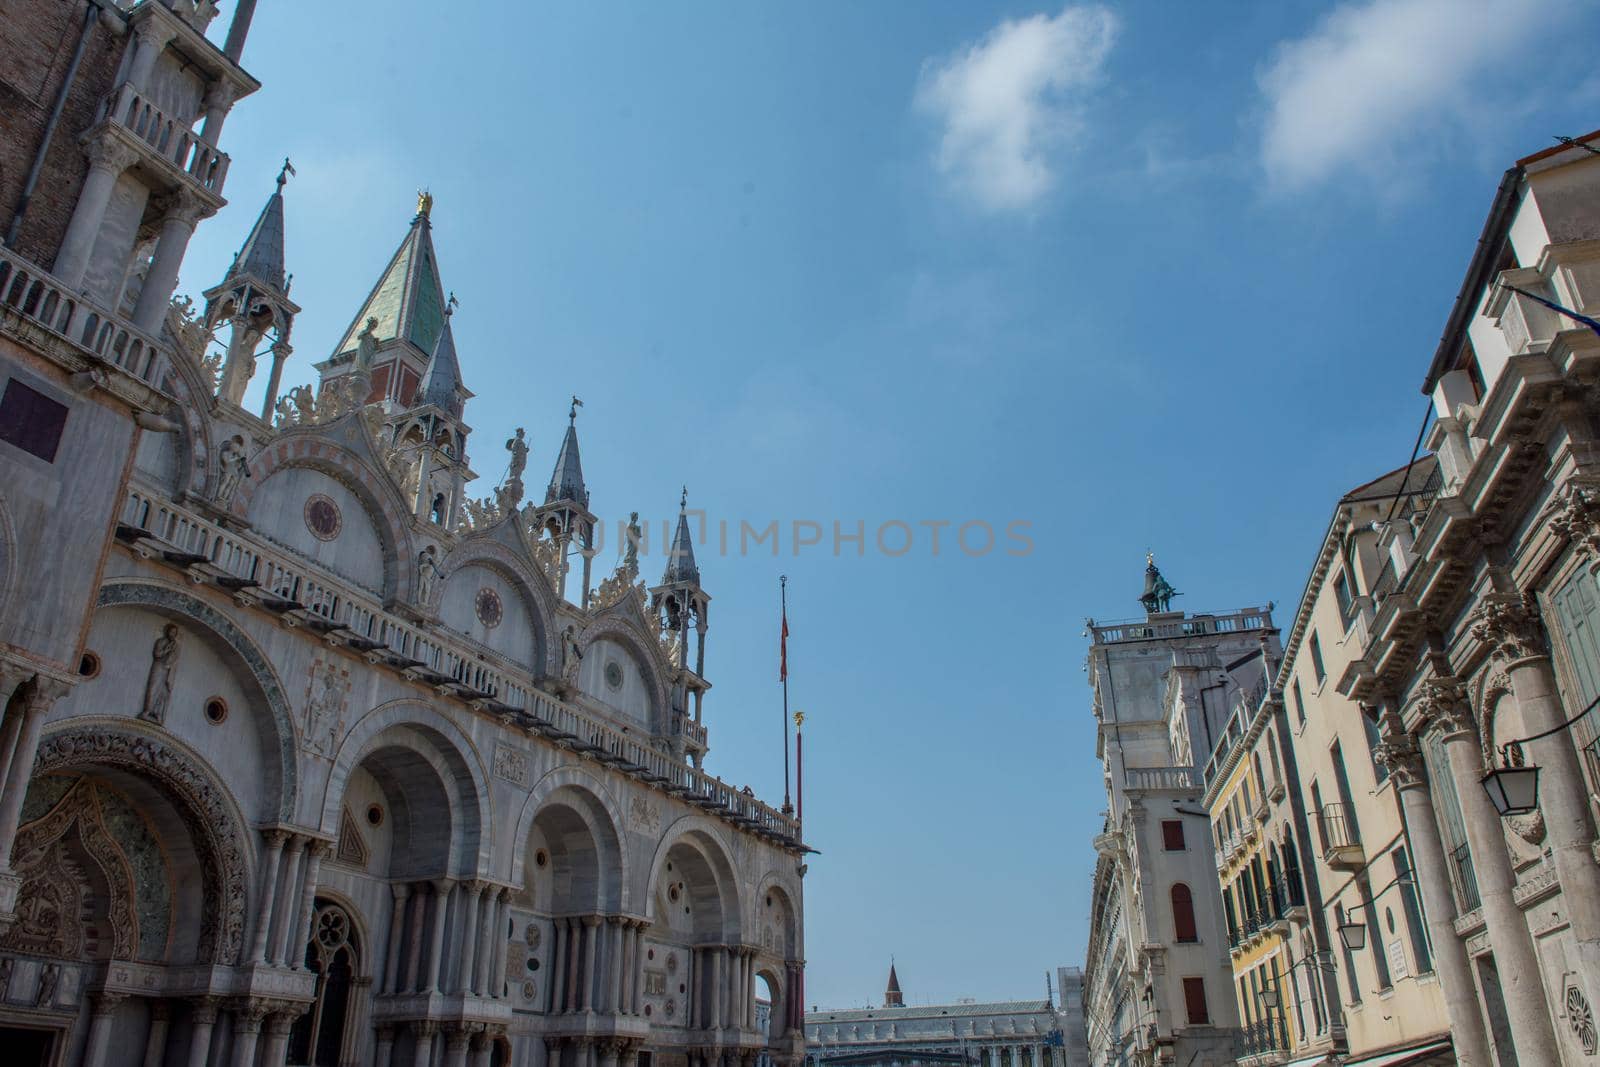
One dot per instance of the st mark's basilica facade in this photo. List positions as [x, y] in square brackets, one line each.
[309, 756]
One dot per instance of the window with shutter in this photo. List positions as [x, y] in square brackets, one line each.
[1194, 999]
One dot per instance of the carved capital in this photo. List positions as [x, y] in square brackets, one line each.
[1399, 755]
[205, 1010]
[107, 1001]
[1509, 627]
[1444, 701]
[401, 890]
[106, 152]
[275, 837]
[1576, 516]
[249, 1013]
[456, 1039]
[219, 94]
[154, 33]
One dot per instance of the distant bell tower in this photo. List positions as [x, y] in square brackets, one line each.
[891, 993]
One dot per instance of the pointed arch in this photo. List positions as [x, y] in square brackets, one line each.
[413, 728]
[169, 600]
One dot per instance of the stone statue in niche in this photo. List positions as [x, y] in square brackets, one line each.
[571, 656]
[437, 510]
[232, 468]
[49, 978]
[158, 684]
[325, 706]
[427, 574]
[630, 559]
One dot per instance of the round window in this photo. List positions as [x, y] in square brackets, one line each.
[540, 858]
[488, 607]
[89, 665]
[375, 815]
[322, 517]
[613, 674]
[216, 710]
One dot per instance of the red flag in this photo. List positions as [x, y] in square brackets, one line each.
[783, 649]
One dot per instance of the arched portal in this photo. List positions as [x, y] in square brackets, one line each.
[323, 1036]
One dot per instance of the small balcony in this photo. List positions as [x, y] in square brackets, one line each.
[1264, 1042]
[42, 302]
[182, 155]
[1341, 841]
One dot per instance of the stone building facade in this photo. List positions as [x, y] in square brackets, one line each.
[1016, 1033]
[1158, 984]
[1313, 837]
[309, 754]
[1479, 650]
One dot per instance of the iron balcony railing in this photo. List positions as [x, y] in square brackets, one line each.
[1264, 1038]
[1338, 828]
[1465, 878]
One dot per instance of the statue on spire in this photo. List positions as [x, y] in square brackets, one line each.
[1158, 592]
[572, 412]
[424, 203]
[283, 175]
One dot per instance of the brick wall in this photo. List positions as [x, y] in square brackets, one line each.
[35, 50]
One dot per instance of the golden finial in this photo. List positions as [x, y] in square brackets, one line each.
[799, 719]
[424, 202]
[1150, 558]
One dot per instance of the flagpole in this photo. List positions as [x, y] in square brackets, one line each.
[799, 773]
[783, 675]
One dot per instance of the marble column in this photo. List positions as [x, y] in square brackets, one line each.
[108, 158]
[162, 277]
[719, 986]
[441, 912]
[269, 894]
[616, 932]
[155, 1044]
[625, 998]
[500, 938]
[37, 696]
[608, 1053]
[12, 678]
[424, 1032]
[247, 1020]
[151, 38]
[591, 934]
[558, 965]
[204, 1020]
[1514, 955]
[1399, 754]
[574, 956]
[1513, 632]
[482, 1049]
[471, 901]
[416, 924]
[455, 1044]
[294, 860]
[385, 1053]
[300, 932]
[392, 952]
[276, 1050]
[98, 1048]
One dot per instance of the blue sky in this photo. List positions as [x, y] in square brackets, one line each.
[1141, 275]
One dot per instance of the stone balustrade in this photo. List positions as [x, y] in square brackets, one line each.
[452, 664]
[33, 293]
[200, 164]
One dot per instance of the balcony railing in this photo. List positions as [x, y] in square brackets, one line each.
[171, 140]
[1341, 841]
[449, 663]
[32, 292]
[1180, 778]
[1264, 1038]
[1190, 626]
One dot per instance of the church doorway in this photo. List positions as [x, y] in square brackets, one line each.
[28, 1047]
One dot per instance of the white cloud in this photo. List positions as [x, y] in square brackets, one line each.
[1373, 79]
[1007, 102]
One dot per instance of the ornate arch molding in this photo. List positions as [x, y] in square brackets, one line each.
[646, 651]
[440, 741]
[314, 449]
[593, 786]
[201, 801]
[536, 593]
[1489, 687]
[705, 834]
[195, 450]
[168, 600]
[8, 556]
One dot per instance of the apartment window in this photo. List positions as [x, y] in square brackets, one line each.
[1316, 659]
[1413, 909]
[31, 421]
[1270, 740]
[1261, 778]
[1194, 1000]
[1452, 826]
[1172, 835]
[1346, 799]
[1299, 704]
[1369, 726]
[1375, 939]
[1577, 616]
[1183, 915]
[1341, 590]
[1229, 914]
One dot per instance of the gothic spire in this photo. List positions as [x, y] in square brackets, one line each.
[566, 482]
[441, 382]
[891, 994]
[408, 300]
[681, 566]
[262, 253]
